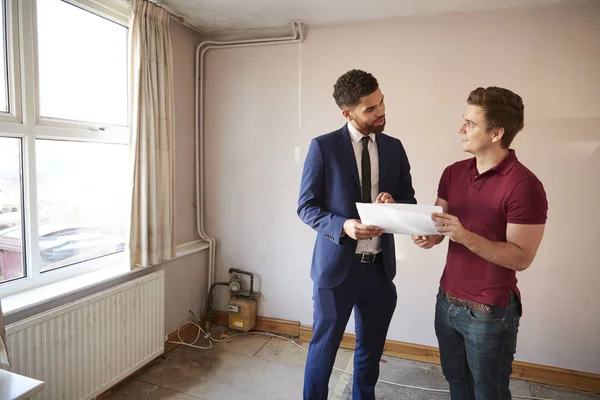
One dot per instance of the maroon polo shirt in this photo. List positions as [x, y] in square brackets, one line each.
[485, 204]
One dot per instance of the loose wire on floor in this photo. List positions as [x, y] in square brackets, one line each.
[210, 340]
[193, 344]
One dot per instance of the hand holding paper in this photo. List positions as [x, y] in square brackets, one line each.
[427, 242]
[404, 219]
[358, 231]
[449, 225]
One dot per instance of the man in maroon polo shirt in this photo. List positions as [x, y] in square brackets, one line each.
[494, 215]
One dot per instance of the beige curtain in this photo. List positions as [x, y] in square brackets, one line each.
[152, 231]
[4, 361]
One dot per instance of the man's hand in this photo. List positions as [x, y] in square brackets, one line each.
[450, 226]
[427, 242]
[384, 197]
[358, 231]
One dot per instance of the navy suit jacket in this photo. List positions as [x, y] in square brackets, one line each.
[329, 190]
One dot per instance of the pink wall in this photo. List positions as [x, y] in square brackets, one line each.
[266, 103]
[185, 278]
[184, 41]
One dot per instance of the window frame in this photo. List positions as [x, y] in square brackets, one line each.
[13, 64]
[23, 121]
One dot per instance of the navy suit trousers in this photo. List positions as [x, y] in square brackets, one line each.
[368, 291]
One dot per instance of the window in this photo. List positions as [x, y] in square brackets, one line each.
[64, 182]
[82, 193]
[3, 62]
[82, 62]
[11, 211]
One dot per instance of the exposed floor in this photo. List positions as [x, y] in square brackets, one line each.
[254, 367]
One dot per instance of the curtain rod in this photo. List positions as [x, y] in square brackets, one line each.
[176, 17]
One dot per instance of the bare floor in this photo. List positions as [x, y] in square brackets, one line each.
[254, 367]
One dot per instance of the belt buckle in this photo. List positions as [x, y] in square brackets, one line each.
[365, 260]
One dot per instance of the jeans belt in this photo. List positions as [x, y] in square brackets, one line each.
[482, 308]
[366, 258]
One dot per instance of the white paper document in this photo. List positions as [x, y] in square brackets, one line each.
[404, 219]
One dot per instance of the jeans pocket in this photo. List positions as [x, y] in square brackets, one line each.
[477, 316]
[515, 332]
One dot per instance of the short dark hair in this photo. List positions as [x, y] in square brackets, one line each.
[352, 86]
[502, 108]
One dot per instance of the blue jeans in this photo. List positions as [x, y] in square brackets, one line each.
[477, 349]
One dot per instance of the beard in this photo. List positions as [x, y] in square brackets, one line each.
[372, 128]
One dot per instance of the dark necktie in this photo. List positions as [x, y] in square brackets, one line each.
[366, 171]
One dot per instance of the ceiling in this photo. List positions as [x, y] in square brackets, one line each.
[226, 15]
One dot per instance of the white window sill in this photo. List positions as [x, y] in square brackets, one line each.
[30, 298]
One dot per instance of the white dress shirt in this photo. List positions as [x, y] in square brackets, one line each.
[372, 245]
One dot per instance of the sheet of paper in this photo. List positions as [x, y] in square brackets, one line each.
[404, 219]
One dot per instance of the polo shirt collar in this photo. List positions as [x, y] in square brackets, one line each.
[503, 167]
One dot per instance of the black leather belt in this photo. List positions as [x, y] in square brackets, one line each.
[366, 258]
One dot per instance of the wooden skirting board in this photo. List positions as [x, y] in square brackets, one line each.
[521, 370]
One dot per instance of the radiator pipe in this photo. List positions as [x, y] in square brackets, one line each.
[201, 49]
[209, 305]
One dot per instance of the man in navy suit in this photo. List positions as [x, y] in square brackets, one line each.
[353, 264]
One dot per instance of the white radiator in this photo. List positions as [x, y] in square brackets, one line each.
[85, 347]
